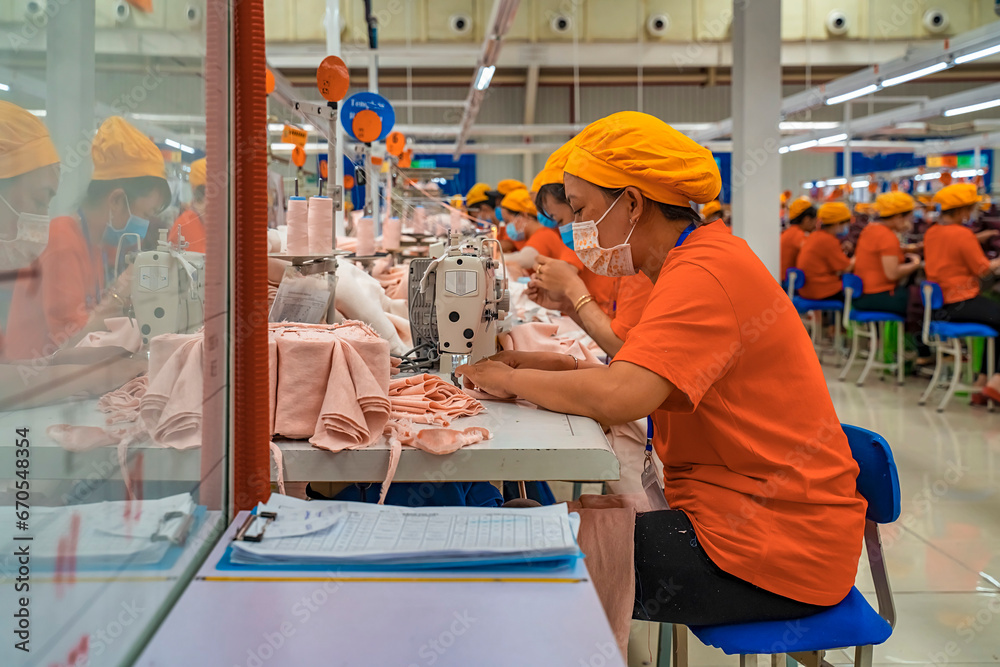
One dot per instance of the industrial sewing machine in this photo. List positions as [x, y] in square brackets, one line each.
[168, 290]
[458, 302]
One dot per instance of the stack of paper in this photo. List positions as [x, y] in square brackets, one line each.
[345, 533]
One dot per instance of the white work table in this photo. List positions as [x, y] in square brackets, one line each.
[441, 618]
[527, 444]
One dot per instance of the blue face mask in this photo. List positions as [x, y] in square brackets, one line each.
[566, 232]
[499, 215]
[844, 232]
[547, 221]
[135, 225]
[513, 234]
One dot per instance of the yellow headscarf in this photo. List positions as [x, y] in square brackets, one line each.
[956, 196]
[632, 148]
[834, 213]
[711, 208]
[552, 172]
[506, 186]
[519, 201]
[894, 203]
[197, 176]
[121, 151]
[477, 194]
[25, 144]
[798, 207]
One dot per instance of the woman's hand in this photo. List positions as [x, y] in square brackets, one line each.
[986, 234]
[556, 276]
[545, 300]
[492, 377]
[543, 361]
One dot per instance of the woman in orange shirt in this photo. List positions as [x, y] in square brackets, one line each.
[955, 260]
[879, 259]
[757, 469]
[191, 223]
[801, 221]
[822, 259]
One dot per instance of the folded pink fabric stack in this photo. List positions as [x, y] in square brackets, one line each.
[304, 363]
[427, 399]
[122, 332]
[123, 403]
[171, 409]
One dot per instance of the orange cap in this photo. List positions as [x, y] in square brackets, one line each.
[894, 203]
[477, 194]
[834, 213]
[519, 201]
[121, 151]
[956, 196]
[197, 176]
[711, 208]
[552, 172]
[798, 207]
[506, 186]
[25, 144]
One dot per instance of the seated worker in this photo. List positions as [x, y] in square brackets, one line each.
[755, 460]
[954, 260]
[480, 203]
[879, 259]
[504, 188]
[60, 304]
[191, 223]
[801, 221]
[522, 225]
[821, 259]
[29, 177]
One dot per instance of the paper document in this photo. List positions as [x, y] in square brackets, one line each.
[348, 532]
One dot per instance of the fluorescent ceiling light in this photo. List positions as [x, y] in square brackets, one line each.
[172, 143]
[976, 55]
[967, 173]
[484, 76]
[903, 78]
[803, 145]
[278, 146]
[4, 86]
[860, 184]
[933, 176]
[278, 127]
[973, 107]
[782, 150]
[860, 92]
[807, 185]
[820, 184]
[832, 139]
[187, 149]
[837, 181]
[807, 125]
[39, 113]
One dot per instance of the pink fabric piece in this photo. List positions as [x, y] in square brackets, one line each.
[162, 348]
[122, 404]
[80, 438]
[355, 408]
[402, 328]
[171, 410]
[279, 463]
[122, 332]
[428, 399]
[347, 243]
[272, 378]
[304, 362]
[541, 337]
[276, 270]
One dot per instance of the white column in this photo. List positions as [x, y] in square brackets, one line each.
[335, 158]
[756, 138]
[530, 103]
[848, 153]
[69, 98]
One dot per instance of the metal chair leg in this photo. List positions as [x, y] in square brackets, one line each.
[957, 352]
[854, 353]
[863, 656]
[872, 352]
[749, 660]
[900, 354]
[939, 362]
[817, 326]
[680, 646]
[837, 337]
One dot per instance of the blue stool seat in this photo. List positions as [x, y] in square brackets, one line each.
[804, 305]
[961, 329]
[853, 622]
[874, 316]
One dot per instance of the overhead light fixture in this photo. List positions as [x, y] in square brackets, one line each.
[933, 176]
[807, 125]
[860, 92]
[179, 146]
[4, 87]
[807, 185]
[803, 145]
[837, 181]
[833, 139]
[782, 150]
[976, 55]
[38, 113]
[278, 127]
[973, 107]
[820, 184]
[903, 78]
[860, 184]
[967, 173]
[484, 76]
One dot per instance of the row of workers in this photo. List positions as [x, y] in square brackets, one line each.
[765, 521]
[953, 258]
[64, 274]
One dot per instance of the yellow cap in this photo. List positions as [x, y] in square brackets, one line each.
[635, 149]
[25, 144]
[956, 196]
[477, 194]
[197, 176]
[506, 186]
[798, 207]
[987, 203]
[456, 201]
[519, 201]
[552, 172]
[121, 151]
[833, 213]
[711, 208]
[894, 203]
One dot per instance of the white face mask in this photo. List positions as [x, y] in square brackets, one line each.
[29, 242]
[613, 262]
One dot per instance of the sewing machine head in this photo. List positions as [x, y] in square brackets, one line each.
[168, 290]
[463, 297]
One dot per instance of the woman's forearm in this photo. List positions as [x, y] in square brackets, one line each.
[593, 320]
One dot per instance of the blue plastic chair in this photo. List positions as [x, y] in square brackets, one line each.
[795, 279]
[853, 622]
[946, 338]
[870, 322]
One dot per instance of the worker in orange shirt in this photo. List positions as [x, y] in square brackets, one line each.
[191, 223]
[79, 280]
[879, 259]
[822, 258]
[955, 260]
[504, 188]
[801, 221]
[701, 362]
[538, 240]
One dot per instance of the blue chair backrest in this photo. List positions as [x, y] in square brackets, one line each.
[937, 298]
[853, 283]
[878, 480]
[795, 277]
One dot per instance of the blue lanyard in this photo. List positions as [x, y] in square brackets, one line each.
[687, 232]
[649, 434]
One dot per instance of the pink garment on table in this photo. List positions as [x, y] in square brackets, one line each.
[541, 337]
[122, 332]
[272, 378]
[123, 403]
[304, 362]
[162, 348]
[428, 399]
[80, 438]
[402, 328]
[171, 410]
